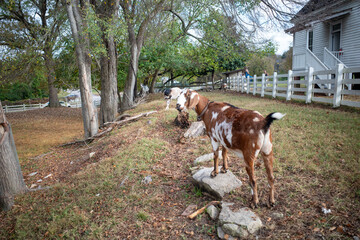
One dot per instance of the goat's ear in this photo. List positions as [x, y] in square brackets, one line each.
[192, 99]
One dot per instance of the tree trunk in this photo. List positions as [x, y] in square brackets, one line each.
[109, 96]
[82, 46]
[50, 67]
[11, 178]
[128, 98]
[212, 79]
[152, 86]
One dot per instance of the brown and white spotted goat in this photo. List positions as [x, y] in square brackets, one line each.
[244, 132]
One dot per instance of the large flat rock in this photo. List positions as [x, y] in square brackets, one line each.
[196, 129]
[218, 186]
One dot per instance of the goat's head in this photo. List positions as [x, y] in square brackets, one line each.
[187, 99]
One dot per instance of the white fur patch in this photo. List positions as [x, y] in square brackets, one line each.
[175, 92]
[193, 94]
[278, 115]
[267, 145]
[224, 108]
[214, 144]
[182, 100]
[214, 115]
[251, 131]
[253, 145]
[256, 119]
[258, 113]
[223, 128]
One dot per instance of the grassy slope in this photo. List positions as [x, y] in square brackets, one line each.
[317, 162]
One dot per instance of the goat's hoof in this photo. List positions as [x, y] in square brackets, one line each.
[253, 205]
[213, 174]
[223, 170]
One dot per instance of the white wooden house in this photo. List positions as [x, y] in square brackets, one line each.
[325, 33]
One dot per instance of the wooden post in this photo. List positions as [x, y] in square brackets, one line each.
[11, 178]
[254, 88]
[274, 85]
[248, 85]
[24, 107]
[6, 109]
[242, 83]
[238, 83]
[338, 85]
[289, 86]
[263, 85]
[309, 86]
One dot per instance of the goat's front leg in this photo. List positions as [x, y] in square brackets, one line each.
[252, 181]
[215, 146]
[225, 160]
[167, 104]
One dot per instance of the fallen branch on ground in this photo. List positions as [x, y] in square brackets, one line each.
[111, 125]
[201, 210]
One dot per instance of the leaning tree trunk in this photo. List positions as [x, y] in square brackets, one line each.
[82, 45]
[50, 67]
[11, 178]
[128, 98]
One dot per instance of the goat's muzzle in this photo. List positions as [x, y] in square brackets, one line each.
[178, 107]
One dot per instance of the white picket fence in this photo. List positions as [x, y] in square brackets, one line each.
[26, 107]
[335, 84]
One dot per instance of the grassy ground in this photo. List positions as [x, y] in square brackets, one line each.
[317, 164]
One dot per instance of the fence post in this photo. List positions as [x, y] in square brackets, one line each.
[309, 86]
[289, 85]
[242, 83]
[254, 88]
[6, 109]
[274, 85]
[248, 85]
[24, 107]
[238, 83]
[338, 85]
[262, 85]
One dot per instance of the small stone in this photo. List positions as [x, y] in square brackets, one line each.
[206, 158]
[235, 230]
[33, 186]
[91, 154]
[244, 217]
[146, 180]
[356, 238]
[98, 194]
[277, 215]
[32, 174]
[222, 235]
[213, 212]
[189, 210]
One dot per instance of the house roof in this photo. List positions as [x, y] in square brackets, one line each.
[316, 10]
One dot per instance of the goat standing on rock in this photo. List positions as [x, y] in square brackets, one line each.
[244, 132]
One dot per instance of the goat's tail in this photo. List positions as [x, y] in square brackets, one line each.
[270, 118]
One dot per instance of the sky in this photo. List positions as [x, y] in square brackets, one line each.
[282, 40]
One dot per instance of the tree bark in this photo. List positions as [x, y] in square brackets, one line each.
[11, 178]
[152, 86]
[107, 11]
[50, 67]
[82, 46]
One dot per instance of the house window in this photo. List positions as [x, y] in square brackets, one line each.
[310, 40]
[335, 37]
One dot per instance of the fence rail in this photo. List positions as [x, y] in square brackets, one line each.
[26, 107]
[334, 84]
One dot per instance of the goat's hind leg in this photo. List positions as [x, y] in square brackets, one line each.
[252, 181]
[268, 162]
[225, 160]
